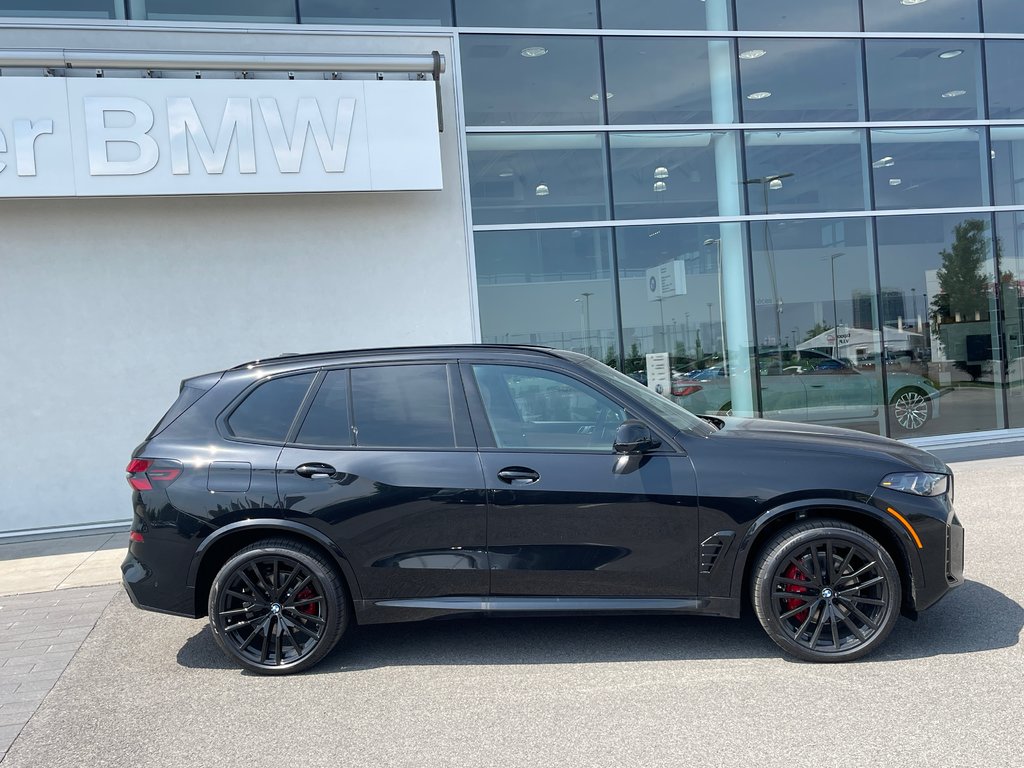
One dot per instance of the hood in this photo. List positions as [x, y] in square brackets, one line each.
[833, 440]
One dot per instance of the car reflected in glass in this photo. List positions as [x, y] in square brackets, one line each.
[810, 386]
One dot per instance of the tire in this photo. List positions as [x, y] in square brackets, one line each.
[910, 409]
[826, 591]
[277, 607]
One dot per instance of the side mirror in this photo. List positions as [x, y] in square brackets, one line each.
[634, 438]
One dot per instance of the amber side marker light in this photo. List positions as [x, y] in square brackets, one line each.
[908, 526]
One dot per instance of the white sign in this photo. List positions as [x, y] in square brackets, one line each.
[67, 137]
[664, 280]
[659, 373]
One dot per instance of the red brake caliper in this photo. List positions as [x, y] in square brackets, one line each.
[795, 573]
[306, 594]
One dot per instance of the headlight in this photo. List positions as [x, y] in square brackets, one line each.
[919, 483]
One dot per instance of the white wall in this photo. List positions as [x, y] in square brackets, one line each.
[105, 305]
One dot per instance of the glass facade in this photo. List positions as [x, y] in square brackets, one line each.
[816, 209]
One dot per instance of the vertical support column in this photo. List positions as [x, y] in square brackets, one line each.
[733, 262]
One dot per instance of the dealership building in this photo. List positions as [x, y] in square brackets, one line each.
[816, 210]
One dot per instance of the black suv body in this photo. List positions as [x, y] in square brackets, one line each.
[292, 497]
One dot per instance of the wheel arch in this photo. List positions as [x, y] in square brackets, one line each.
[215, 550]
[895, 539]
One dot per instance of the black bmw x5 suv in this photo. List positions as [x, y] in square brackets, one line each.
[291, 498]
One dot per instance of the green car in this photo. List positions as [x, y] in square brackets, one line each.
[810, 386]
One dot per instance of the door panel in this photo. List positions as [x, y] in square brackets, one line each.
[412, 523]
[583, 530]
[561, 519]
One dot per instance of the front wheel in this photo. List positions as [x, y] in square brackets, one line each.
[277, 607]
[826, 591]
[910, 409]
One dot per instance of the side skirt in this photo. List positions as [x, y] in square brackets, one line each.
[418, 609]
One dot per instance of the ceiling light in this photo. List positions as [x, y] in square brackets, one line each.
[883, 162]
[661, 172]
[951, 54]
[542, 190]
[753, 53]
[759, 95]
[506, 173]
[597, 96]
[912, 2]
[953, 94]
[533, 51]
[895, 182]
[660, 186]
[775, 184]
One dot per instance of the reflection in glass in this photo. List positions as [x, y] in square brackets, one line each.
[932, 16]
[654, 14]
[798, 15]
[681, 93]
[927, 167]
[677, 287]
[531, 80]
[817, 328]
[815, 170]
[924, 79]
[800, 80]
[1010, 238]
[214, 10]
[1003, 16]
[939, 271]
[411, 12]
[550, 287]
[532, 177]
[663, 175]
[1008, 164]
[1004, 93]
[68, 9]
[564, 14]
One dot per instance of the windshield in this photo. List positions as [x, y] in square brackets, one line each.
[674, 414]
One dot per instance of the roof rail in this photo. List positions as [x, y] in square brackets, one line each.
[287, 357]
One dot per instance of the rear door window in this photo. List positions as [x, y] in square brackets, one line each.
[328, 422]
[267, 412]
[402, 406]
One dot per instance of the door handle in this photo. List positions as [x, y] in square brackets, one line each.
[315, 471]
[816, 386]
[518, 475]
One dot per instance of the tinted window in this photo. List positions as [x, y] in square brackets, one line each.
[328, 422]
[532, 408]
[267, 413]
[403, 406]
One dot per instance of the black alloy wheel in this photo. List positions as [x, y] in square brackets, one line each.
[277, 607]
[826, 591]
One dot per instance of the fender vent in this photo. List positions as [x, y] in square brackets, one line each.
[712, 549]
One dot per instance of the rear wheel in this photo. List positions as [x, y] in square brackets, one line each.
[277, 607]
[826, 591]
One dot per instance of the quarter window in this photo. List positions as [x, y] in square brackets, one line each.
[268, 411]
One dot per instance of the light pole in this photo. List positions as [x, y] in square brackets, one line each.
[794, 332]
[661, 311]
[585, 319]
[686, 332]
[772, 182]
[711, 327]
[835, 313]
[721, 299]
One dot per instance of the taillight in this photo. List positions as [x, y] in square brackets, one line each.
[142, 473]
[687, 390]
